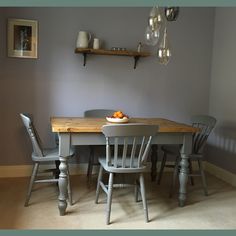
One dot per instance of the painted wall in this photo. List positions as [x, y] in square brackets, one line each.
[222, 143]
[58, 84]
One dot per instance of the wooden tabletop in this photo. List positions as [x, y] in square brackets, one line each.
[94, 125]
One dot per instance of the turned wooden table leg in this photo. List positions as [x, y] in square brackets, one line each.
[63, 183]
[64, 150]
[184, 168]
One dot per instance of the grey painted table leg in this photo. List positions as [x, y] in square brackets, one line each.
[184, 168]
[64, 150]
[154, 158]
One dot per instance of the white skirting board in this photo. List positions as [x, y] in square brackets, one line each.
[26, 170]
[220, 173]
[78, 169]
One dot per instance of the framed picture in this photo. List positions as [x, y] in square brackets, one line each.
[22, 38]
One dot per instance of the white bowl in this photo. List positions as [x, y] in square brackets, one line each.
[117, 120]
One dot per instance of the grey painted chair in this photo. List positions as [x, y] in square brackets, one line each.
[39, 156]
[205, 123]
[96, 113]
[136, 136]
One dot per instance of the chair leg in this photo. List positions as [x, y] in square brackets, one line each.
[32, 179]
[136, 190]
[191, 171]
[175, 175]
[109, 198]
[143, 195]
[69, 187]
[163, 163]
[98, 183]
[90, 163]
[204, 184]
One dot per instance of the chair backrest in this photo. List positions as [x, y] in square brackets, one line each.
[34, 137]
[206, 124]
[137, 137]
[99, 113]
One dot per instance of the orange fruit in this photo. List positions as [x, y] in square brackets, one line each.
[118, 114]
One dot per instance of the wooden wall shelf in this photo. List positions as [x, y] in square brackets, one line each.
[134, 54]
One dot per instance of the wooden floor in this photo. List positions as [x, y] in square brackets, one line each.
[217, 211]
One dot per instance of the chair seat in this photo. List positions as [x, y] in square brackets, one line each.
[112, 169]
[50, 155]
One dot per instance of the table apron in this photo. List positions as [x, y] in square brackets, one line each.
[99, 139]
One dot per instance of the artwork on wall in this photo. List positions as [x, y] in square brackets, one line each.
[22, 38]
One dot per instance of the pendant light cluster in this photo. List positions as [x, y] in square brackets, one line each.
[157, 24]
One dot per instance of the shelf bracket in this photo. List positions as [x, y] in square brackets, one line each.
[85, 57]
[136, 58]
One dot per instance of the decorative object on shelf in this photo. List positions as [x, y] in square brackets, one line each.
[136, 55]
[83, 39]
[139, 47]
[96, 43]
[152, 32]
[157, 23]
[171, 13]
[163, 52]
[118, 49]
[22, 38]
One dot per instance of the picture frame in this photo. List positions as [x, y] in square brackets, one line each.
[22, 38]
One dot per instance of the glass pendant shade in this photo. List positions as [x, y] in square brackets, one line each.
[154, 23]
[151, 37]
[163, 52]
[155, 19]
[152, 32]
[155, 11]
[171, 13]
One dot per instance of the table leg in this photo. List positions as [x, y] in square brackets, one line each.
[64, 150]
[63, 183]
[184, 168]
[154, 158]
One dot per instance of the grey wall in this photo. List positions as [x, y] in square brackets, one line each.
[222, 144]
[57, 83]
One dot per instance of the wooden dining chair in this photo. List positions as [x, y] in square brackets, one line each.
[40, 155]
[95, 113]
[138, 138]
[205, 124]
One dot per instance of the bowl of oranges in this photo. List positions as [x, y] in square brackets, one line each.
[118, 117]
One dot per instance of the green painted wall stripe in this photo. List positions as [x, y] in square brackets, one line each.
[102, 3]
[133, 3]
[118, 232]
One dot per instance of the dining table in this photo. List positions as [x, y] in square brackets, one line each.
[88, 131]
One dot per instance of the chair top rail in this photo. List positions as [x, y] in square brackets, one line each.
[34, 137]
[205, 124]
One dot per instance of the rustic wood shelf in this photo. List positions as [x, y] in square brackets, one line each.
[134, 54]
